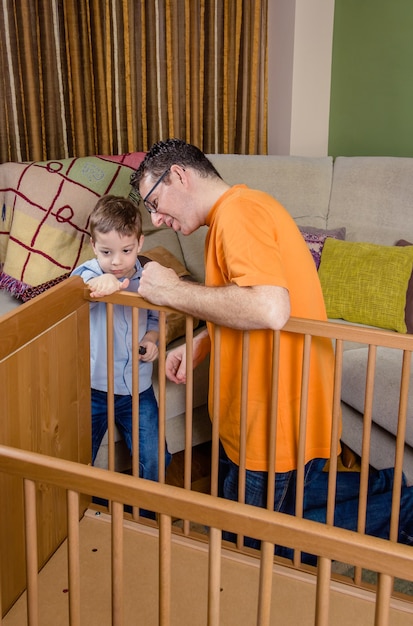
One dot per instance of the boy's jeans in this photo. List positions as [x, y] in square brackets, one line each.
[315, 499]
[148, 428]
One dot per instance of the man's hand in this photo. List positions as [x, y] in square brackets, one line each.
[105, 285]
[176, 366]
[156, 282]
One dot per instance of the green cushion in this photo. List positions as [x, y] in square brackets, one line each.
[366, 283]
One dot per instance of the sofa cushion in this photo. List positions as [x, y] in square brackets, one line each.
[386, 387]
[315, 239]
[302, 184]
[372, 196]
[366, 283]
[47, 206]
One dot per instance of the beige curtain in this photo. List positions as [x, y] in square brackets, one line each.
[83, 77]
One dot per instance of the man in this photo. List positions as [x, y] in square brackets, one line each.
[258, 272]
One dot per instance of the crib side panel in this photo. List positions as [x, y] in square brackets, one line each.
[44, 407]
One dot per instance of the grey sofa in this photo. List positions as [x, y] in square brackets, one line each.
[372, 198]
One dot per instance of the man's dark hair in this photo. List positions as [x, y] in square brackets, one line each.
[164, 154]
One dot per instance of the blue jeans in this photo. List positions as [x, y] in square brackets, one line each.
[315, 499]
[148, 428]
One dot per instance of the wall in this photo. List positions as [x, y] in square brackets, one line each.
[351, 94]
[300, 35]
[372, 71]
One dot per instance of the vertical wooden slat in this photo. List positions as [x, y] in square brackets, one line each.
[110, 395]
[322, 592]
[267, 549]
[272, 433]
[243, 416]
[243, 424]
[188, 402]
[332, 476]
[162, 396]
[384, 589]
[214, 576]
[265, 584]
[135, 399]
[368, 409]
[189, 328]
[400, 442]
[73, 556]
[305, 374]
[117, 564]
[365, 453]
[1, 591]
[32, 566]
[165, 526]
[215, 416]
[135, 391]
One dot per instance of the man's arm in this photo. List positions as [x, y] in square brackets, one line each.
[245, 308]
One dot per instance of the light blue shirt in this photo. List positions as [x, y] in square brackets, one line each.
[122, 326]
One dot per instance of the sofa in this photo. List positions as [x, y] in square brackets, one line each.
[352, 212]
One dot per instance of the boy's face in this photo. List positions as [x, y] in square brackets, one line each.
[116, 254]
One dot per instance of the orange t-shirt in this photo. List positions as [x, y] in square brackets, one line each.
[252, 240]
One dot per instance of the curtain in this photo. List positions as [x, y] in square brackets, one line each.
[81, 77]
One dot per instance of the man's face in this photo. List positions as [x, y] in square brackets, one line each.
[167, 199]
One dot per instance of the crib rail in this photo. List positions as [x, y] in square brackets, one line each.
[44, 357]
[309, 329]
[329, 543]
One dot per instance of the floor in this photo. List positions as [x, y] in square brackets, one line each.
[201, 468]
[293, 593]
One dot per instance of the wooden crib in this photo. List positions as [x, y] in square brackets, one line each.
[65, 560]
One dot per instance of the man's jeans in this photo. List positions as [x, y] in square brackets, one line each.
[148, 428]
[315, 499]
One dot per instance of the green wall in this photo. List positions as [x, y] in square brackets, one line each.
[371, 110]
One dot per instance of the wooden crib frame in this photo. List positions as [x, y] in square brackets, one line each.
[48, 485]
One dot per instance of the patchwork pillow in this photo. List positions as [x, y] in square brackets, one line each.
[46, 207]
[315, 239]
[408, 311]
[32, 292]
[366, 283]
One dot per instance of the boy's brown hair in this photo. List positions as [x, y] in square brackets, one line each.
[115, 213]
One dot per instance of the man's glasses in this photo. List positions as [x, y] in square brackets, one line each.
[152, 207]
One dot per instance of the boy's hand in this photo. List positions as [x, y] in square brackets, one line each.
[151, 351]
[105, 285]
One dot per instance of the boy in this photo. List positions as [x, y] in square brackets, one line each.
[116, 238]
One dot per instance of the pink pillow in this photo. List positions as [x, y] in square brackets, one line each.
[315, 239]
